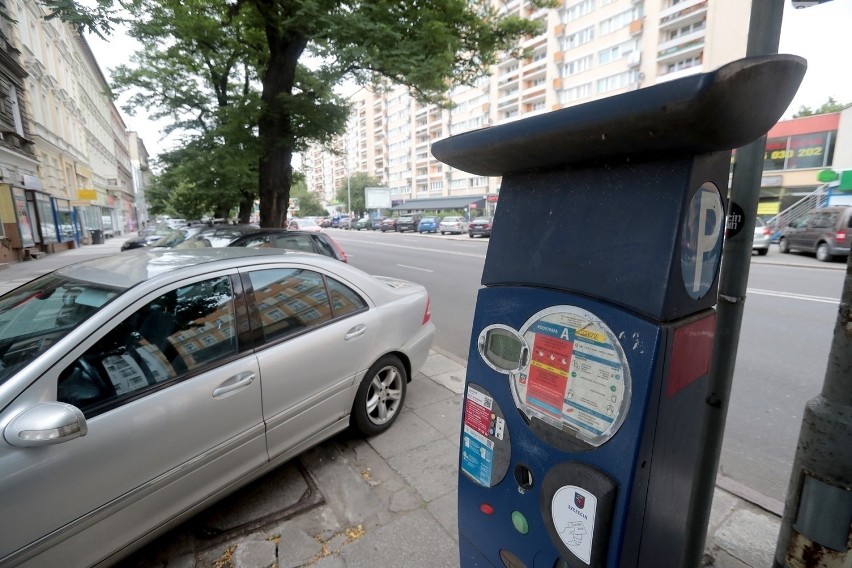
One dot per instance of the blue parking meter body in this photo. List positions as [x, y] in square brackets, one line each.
[593, 333]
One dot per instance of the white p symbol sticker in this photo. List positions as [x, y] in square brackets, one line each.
[701, 241]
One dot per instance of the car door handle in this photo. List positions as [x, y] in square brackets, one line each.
[234, 383]
[355, 332]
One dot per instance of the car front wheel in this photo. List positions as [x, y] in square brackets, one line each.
[784, 245]
[380, 397]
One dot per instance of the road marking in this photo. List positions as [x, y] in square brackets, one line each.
[792, 296]
[415, 268]
[424, 249]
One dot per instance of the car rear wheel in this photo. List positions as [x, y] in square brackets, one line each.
[380, 397]
[823, 253]
[784, 245]
[762, 252]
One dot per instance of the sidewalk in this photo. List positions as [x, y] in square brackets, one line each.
[383, 502]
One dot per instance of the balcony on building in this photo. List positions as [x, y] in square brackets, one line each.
[683, 13]
[689, 45]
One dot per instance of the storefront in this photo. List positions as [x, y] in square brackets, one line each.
[796, 151]
[34, 222]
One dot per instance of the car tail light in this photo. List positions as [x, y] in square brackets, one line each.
[766, 231]
[841, 236]
[427, 315]
[343, 256]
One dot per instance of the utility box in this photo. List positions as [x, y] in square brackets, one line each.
[593, 334]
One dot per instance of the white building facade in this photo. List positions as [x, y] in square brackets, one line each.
[591, 49]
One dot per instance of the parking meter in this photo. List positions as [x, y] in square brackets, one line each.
[593, 334]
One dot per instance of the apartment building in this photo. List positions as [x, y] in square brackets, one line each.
[591, 49]
[66, 176]
[141, 175]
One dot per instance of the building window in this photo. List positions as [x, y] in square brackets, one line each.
[578, 38]
[616, 52]
[619, 21]
[578, 10]
[567, 96]
[618, 81]
[576, 66]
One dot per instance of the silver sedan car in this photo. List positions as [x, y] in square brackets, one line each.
[139, 388]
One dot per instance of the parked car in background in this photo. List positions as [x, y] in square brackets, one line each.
[366, 223]
[481, 226]
[427, 225]
[325, 223]
[453, 225]
[388, 224]
[344, 223]
[146, 237]
[408, 223]
[304, 225]
[104, 361]
[762, 238]
[216, 236]
[177, 236]
[824, 231]
[302, 241]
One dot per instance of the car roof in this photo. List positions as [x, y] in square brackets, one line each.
[133, 267]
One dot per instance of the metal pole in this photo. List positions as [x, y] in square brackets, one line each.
[815, 530]
[763, 38]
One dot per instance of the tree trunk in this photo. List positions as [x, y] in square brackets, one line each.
[246, 206]
[275, 128]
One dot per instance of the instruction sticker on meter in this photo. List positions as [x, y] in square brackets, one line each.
[574, 510]
[577, 378]
[485, 439]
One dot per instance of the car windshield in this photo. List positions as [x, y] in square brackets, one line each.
[405, 219]
[427, 220]
[40, 313]
[306, 223]
[451, 219]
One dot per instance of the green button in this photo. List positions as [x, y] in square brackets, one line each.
[520, 522]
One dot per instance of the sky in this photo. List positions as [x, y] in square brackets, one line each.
[814, 33]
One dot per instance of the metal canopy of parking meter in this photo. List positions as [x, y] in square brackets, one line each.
[617, 160]
[716, 111]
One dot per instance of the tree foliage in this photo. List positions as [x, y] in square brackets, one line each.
[309, 202]
[831, 105]
[356, 184]
[197, 51]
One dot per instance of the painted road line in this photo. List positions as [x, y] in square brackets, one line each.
[792, 296]
[415, 268]
[422, 249]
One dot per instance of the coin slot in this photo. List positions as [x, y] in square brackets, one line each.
[523, 476]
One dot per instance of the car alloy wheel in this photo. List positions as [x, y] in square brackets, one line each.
[784, 245]
[380, 396]
[823, 254]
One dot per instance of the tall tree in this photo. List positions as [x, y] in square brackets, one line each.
[354, 185]
[426, 46]
[831, 105]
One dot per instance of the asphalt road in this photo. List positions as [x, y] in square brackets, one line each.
[786, 332]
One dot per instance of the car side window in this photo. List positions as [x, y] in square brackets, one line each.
[325, 248]
[291, 300]
[181, 331]
[344, 300]
[259, 241]
[294, 242]
[824, 220]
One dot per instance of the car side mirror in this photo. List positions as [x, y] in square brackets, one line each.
[46, 424]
